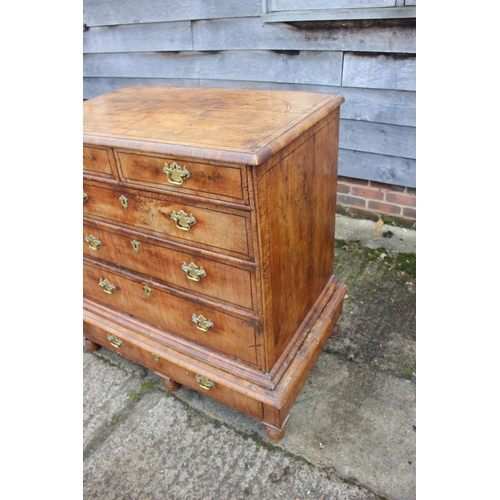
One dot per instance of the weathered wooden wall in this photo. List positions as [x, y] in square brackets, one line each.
[231, 43]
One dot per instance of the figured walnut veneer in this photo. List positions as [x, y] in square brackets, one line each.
[209, 226]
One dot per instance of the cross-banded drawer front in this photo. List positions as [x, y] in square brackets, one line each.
[197, 274]
[183, 177]
[139, 351]
[97, 161]
[211, 227]
[217, 330]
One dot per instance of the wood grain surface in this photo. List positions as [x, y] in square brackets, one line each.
[209, 123]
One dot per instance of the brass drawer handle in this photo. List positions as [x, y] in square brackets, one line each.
[193, 272]
[202, 323]
[204, 382]
[124, 201]
[85, 196]
[94, 243]
[107, 286]
[114, 341]
[182, 220]
[155, 357]
[175, 173]
[148, 290]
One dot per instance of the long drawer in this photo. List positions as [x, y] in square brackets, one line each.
[215, 228]
[183, 176]
[148, 354]
[220, 331]
[224, 282]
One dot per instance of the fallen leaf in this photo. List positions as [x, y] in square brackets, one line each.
[379, 224]
[382, 256]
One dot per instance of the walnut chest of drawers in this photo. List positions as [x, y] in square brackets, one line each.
[208, 238]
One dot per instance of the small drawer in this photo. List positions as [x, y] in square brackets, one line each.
[213, 228]
[217, 330]
[223, 282]
[98, 161]
[186, 177]
[139, 351]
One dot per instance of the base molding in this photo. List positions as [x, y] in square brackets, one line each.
[177, 365]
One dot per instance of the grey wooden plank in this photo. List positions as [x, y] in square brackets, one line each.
[410, 2]
[340, 14]
[111, 12]
[379, 138]
[93, 87]
[249, 84]
[391, 107]
[96, 86]
[380, 168]
[328, 4]
[252, 33]
[312, 67]
[139, 37]
[379, 71]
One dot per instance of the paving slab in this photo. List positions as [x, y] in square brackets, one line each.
[156, 446]
[367, 232]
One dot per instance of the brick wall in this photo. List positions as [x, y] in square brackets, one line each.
[372, 200]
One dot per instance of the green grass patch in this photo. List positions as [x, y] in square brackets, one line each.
[143, 389]
[407, 264]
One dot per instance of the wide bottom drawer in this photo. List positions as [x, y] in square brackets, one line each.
[143, 352]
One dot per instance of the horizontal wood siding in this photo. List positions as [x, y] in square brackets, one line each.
[379, 72]
[375, 167]
[254, 34]
[328, 4]
[313, 67]
[228, 44]
[111, 12]
[139, 38]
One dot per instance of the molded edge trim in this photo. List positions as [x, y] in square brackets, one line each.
[262, 151]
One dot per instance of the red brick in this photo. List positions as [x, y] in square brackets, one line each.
[384, 207]
[343, 188]
[410, 213]
[387, 187]
[380, 185]
[401, 199]
[370, 194]
[350, 200]
[351, 180]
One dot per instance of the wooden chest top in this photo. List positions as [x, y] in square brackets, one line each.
[229, 125]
